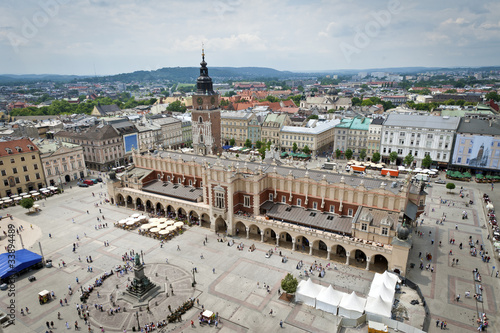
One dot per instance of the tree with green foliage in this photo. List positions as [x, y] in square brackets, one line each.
[393, 156]
[376, 157]
[268, 144]
[295, 147]
[408, 160]
[306, 150]
[356, 101]
[176, 106]
[348, 154]
[258, 144]
[296, 99]
[262, 152]
[493, 95]
[27, 203]
[289, 284]
[230, 93]
[248, 143]
[338, 153]
[232, 142]
[313, 116]
[362, 154]
[427, 161]
[272, 99]
[450, 186]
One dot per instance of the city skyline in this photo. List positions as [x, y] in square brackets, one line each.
[101, 37]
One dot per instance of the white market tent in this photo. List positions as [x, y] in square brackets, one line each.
[352, 306]
[329, 299]
[307, 292]
[378, 307]
[382, 290]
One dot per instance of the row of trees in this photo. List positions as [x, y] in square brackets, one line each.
[393, 156]
[64, 107]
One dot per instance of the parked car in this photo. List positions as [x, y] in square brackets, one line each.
[83, 185]
[94, 180]
[440, 181]
[88, 182]
[99, 179]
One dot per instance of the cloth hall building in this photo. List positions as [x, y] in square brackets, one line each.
[342, 218]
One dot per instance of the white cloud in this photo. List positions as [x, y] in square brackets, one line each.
[128, 35]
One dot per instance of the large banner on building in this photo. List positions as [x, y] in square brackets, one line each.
[130, 142]
[476, 151]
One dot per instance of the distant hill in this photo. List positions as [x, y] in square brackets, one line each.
[189, 74]
[12, 78]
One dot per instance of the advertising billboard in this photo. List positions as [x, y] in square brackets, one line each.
[476, 151]
[130, 142]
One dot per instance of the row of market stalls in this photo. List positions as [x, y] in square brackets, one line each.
[291, 154]
[161, 228]
[35, 195]
[377, 304]
[370, 165]
[430, 172]
[241, 150]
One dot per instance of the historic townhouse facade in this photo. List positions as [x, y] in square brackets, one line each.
[318, 137]
[419, 135]
[62, 162]
[357, 221]
[235, 125]
[20, 167]
[271, 127]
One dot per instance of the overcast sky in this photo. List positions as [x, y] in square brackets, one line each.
[117, 36]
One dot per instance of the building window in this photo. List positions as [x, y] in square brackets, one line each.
[27, 178]
[364, 226]
[271, 197]
[299, 202]
[12, 160]
[385, 231]
[49, 172]
[283, 198]
[17, 180]
[6, 182]
[349, 212]
[332, 209]
[246, 201]
[33, 157]
[315, 205]
[219, 200]
[35, 166]
[37, 176]
[22, 159]
[14, 170]
[4, 173]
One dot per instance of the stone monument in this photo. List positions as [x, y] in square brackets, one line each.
[141, 289]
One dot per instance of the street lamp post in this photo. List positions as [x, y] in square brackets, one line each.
[194, 280]
[137, 317]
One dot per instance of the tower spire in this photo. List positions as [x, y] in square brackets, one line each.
[202, 51]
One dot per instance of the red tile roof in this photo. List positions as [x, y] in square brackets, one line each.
[13, 146]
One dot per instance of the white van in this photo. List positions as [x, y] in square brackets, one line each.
[329, 166]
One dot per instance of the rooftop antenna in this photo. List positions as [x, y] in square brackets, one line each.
[203, 51]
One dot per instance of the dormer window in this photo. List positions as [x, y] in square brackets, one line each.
[9, 151]
[30, 147]
[19, 149]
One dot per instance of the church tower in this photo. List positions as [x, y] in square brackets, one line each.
[205, 117]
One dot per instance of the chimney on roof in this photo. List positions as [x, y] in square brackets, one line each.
[490, 121]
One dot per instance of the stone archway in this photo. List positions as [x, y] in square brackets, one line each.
[269, 236]
[338, 254]
[160, 211]
[149, 207]
[254, 233]
[181, 214]
[220, 225]
[320, 249]
[303, 244]
[286, 240]
[194, 217]
[171, 212]
[240, 229]
[120, 201]
[138, 204]
[205, 221]
[380, 264]
[359, 259]
[130, 202]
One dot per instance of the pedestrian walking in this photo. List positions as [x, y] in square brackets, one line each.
[213, 270]
[281, 323]
[178, 248]
[271, 312]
